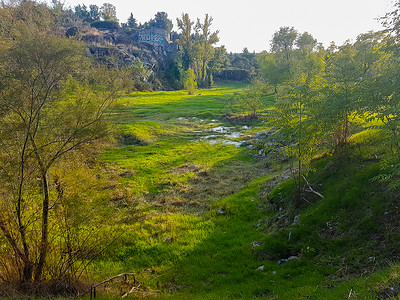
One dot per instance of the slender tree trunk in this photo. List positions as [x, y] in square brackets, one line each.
[25, 256]
[300, 154]
[346, 124]
[204, 72]
[43, 248]
[45, 229]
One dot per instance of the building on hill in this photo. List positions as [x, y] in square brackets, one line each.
[156, 37]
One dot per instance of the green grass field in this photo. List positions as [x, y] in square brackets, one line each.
[197, 220]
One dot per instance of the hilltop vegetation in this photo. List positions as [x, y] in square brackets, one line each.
[283, 187]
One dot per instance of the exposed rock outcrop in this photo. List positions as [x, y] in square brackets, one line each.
[152, 46]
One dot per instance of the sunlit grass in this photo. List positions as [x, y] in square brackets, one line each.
[154, 163]
[162, 106]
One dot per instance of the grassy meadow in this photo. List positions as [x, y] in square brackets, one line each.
[200, 217]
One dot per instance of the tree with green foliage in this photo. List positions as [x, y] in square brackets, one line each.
[189, 82]
[219, 60]
[81, 12]
[91, 15]
[161, 21]
[53, 102]
[295, 111]
[379, 87]
[139, 71]
[392, 21]
[185, 40]
[276, 67]
[204, 44]
[273, 69]
[251, 98]
[108, 12]
[299, 74]
[306, 42]
[196, 43]
[94, 13]
[132, 23]
[343, 74]
[283, 41]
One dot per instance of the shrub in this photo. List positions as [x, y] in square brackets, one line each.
[189, 82]
[105, 25]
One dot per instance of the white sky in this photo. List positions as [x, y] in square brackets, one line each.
[251, 23]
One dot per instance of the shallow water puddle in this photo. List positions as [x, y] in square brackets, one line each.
[220, 134]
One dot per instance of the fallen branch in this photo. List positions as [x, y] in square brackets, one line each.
[350, 293]
[125, 275]
[311, 190]
[131, 291]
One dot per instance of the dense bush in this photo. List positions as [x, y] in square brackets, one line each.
[105, 25]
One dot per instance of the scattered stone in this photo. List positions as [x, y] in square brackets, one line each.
[287, 259]
[256, 243]
[260, 268]
[282, 261]
[260, 135]
[264, 134]
[296, 220]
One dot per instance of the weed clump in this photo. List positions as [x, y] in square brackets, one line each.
[128, 139]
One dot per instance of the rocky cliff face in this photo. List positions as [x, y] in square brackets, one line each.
[150, 46]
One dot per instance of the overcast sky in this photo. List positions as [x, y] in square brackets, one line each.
[251, 23]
